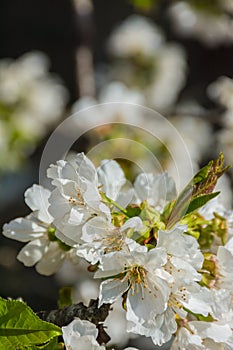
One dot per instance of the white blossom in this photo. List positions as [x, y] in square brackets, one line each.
[139, 40]
[112, 181]
[31, 100]
[183, 260]
[200, 335]
[169, 77]
[225, 261]
[222, 91]
[138, 273]
[76, 197]
[156, 189]
[81, 335]
[183, 247]
[210, 28]
[34, 229]
[112, 102]
[137, 35]
[101, 236]
[221, 306]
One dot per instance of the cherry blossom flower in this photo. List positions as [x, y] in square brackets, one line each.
[112, 180]
[210, 28]
[156, 189]
[76, 197]
[102, 237]
[225, 261]
[31, 100]
[81, 335]
[183, 260]
[139, 40]
[136, 35]
[200, 335]
[139, 274]
[37, 228]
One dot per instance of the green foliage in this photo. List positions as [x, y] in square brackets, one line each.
[206, 231]
[21, 328]
[209, 270]
[145, 5]
[212, 7]
[133, 210]
[198, 202]
[53, 238]
[65, 297]
[51, 345]
[152, 223]
[197, 193]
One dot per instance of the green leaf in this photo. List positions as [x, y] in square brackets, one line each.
[197, 193]
[145, 5]
[52, 345]
[65, 297]
[198, 202]
[21, 328]
[133, 210]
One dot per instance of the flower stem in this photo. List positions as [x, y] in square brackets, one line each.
[117, 205]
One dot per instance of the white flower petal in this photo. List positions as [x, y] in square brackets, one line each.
[229, 245]
[157, 189]
[51, 261]
[59, 204]
[181, 245]
[111, 290]
[95, 229]
[61, 173]
[92, 197]
[87, 252]
[111, 177]
[134, 222]
[32, 252]
[125, 196]
[200, 303]
[211, 345]
[142, 304]
[217, 332]
[155, 258]
[36, 198]
[184, 271]
[23, 229]
[133, 246]
[86, 168]
[64, 238]
[162, 334]
[225, 258]
[81, 334]
[69, 234]
[185, 340]
[76, 216]
[112, 264]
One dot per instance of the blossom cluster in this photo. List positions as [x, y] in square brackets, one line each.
[31, 100]
[209, 22]
[143, 59]
[221, 91]
[166, 256]
[145, 69]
